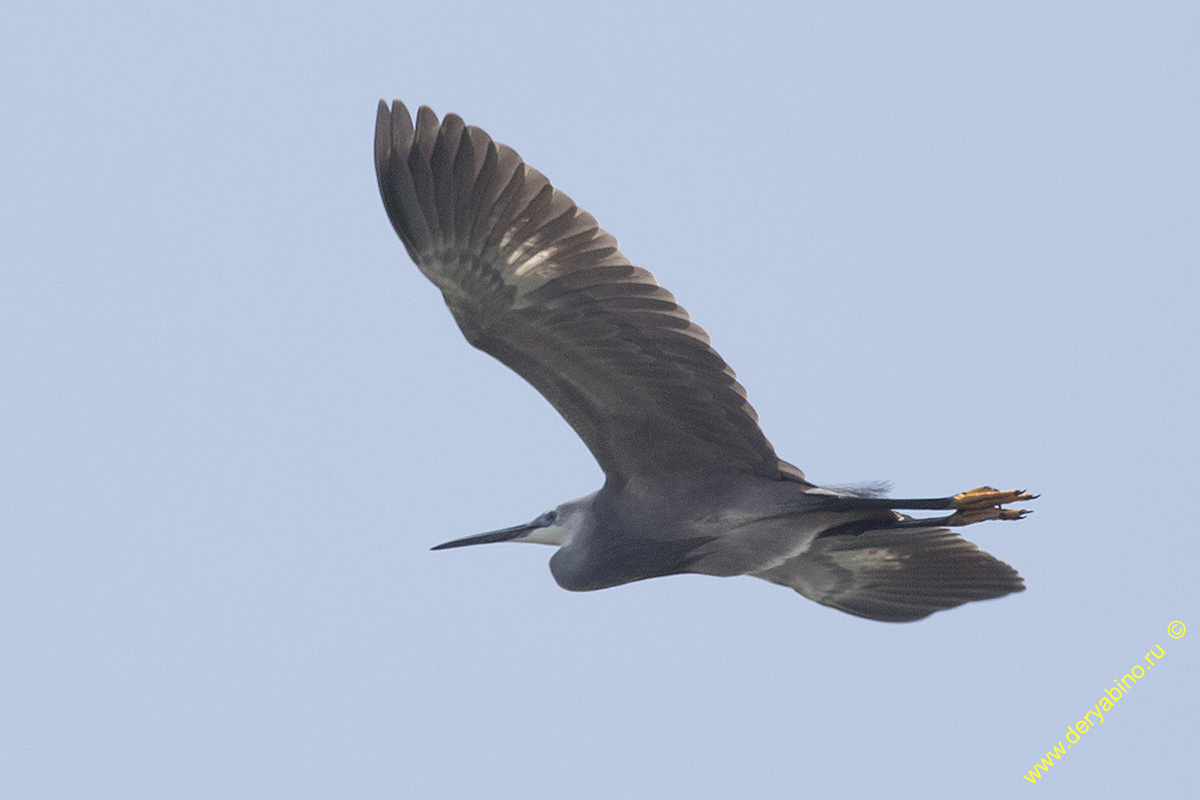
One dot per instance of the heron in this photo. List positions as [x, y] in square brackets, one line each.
[691, 484]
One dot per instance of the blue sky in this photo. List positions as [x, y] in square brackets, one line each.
[942, 246]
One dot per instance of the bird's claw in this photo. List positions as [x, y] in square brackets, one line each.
[984, 503]
[986, 496]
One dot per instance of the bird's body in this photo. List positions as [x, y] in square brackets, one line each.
[721, 525]
[692, 484]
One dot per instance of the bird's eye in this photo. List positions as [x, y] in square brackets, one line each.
[548, 518]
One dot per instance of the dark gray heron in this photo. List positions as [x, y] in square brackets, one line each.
[691, 483]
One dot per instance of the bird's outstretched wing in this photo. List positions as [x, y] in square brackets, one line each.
[534, 281]
[896, 575]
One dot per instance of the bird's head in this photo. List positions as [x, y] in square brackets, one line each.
[557, 527]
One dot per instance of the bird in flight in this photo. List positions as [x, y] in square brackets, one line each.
[691, 483]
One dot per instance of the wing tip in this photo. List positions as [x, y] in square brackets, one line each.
[393, 132]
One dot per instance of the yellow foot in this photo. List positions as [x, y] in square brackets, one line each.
[985, 496]
[984, 503]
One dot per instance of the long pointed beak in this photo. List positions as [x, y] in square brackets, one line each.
[503, 535]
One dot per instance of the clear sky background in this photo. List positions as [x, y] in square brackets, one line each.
[943, 245]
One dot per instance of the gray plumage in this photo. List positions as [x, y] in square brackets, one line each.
[692, 484]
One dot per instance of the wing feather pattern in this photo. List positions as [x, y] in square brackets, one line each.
[896, 576]
[534, 281]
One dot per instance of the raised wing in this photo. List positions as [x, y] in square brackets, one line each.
[534, 281]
